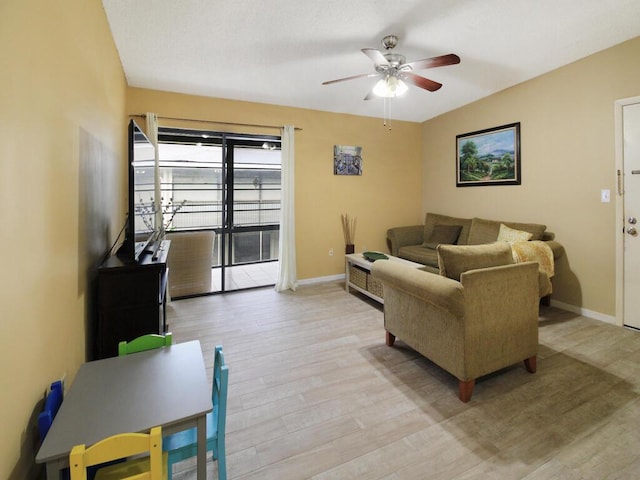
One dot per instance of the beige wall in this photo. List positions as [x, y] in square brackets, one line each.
[567, 137]
[62, 112]
[63, 145]
[387, 193]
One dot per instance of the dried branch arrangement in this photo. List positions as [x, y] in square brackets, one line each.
[348, 228]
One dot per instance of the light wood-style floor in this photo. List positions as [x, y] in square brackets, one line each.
[315, 393]
[239, 277]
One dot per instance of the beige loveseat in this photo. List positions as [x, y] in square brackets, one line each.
[418, 243]
[481, 317]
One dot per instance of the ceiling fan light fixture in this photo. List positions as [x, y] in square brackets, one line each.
[389, 87]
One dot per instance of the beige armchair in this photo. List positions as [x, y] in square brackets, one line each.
[190, 261]
[485, 321]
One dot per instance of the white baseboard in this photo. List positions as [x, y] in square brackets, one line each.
[584, 312]
[330, 278]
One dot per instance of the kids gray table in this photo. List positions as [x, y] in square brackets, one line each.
[165, 387]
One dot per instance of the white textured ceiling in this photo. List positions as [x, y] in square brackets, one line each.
[280, 51]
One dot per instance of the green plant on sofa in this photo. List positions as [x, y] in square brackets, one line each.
[479, 317]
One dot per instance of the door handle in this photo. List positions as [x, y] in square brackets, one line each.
[632, 231]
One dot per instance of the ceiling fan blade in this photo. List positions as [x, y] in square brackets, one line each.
[370, 95]
[421, 82]
[363, 75]
[376, 56]
[441, 61]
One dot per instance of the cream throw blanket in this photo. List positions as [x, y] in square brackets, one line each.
[534, 251]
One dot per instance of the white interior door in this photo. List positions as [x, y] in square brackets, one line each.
[631, 208]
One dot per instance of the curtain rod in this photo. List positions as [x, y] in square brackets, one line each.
[143, 115]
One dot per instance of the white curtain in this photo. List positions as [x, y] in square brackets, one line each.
[152, 134]
[287, 276]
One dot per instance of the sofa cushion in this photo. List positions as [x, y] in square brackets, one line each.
[419, 254]
[442, 234]
[433, 219]
[486, 231]
[511, 235]
[453, 260]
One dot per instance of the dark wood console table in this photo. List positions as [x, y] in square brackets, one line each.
[131, 300]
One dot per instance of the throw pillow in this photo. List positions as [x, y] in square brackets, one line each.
[511, 235]
[432, 219]
[453, 260]
[447, 234]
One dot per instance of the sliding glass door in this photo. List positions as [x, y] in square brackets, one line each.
[250, 232]
[221, 200]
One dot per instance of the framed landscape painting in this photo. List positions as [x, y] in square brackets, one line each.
[489, 157]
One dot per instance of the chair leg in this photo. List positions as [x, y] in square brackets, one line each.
[214, 451]
[531, 364]
[390, 338]
[465, 389]
[222, 461]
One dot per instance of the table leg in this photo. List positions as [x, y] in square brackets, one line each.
[54, 468]
[202, 447]
[52, 471]
[346, 275]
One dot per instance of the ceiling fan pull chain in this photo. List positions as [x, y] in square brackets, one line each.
[386, 102]
[384, 111]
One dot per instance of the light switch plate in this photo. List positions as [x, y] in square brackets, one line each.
[605, 195]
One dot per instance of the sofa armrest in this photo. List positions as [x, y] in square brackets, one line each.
[501, 324]
[513, 285]
[400, 236]
[439, 291]
[556, 248]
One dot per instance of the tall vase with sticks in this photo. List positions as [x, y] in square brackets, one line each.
[349, 231]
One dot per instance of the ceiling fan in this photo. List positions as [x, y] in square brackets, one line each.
[393, 70]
